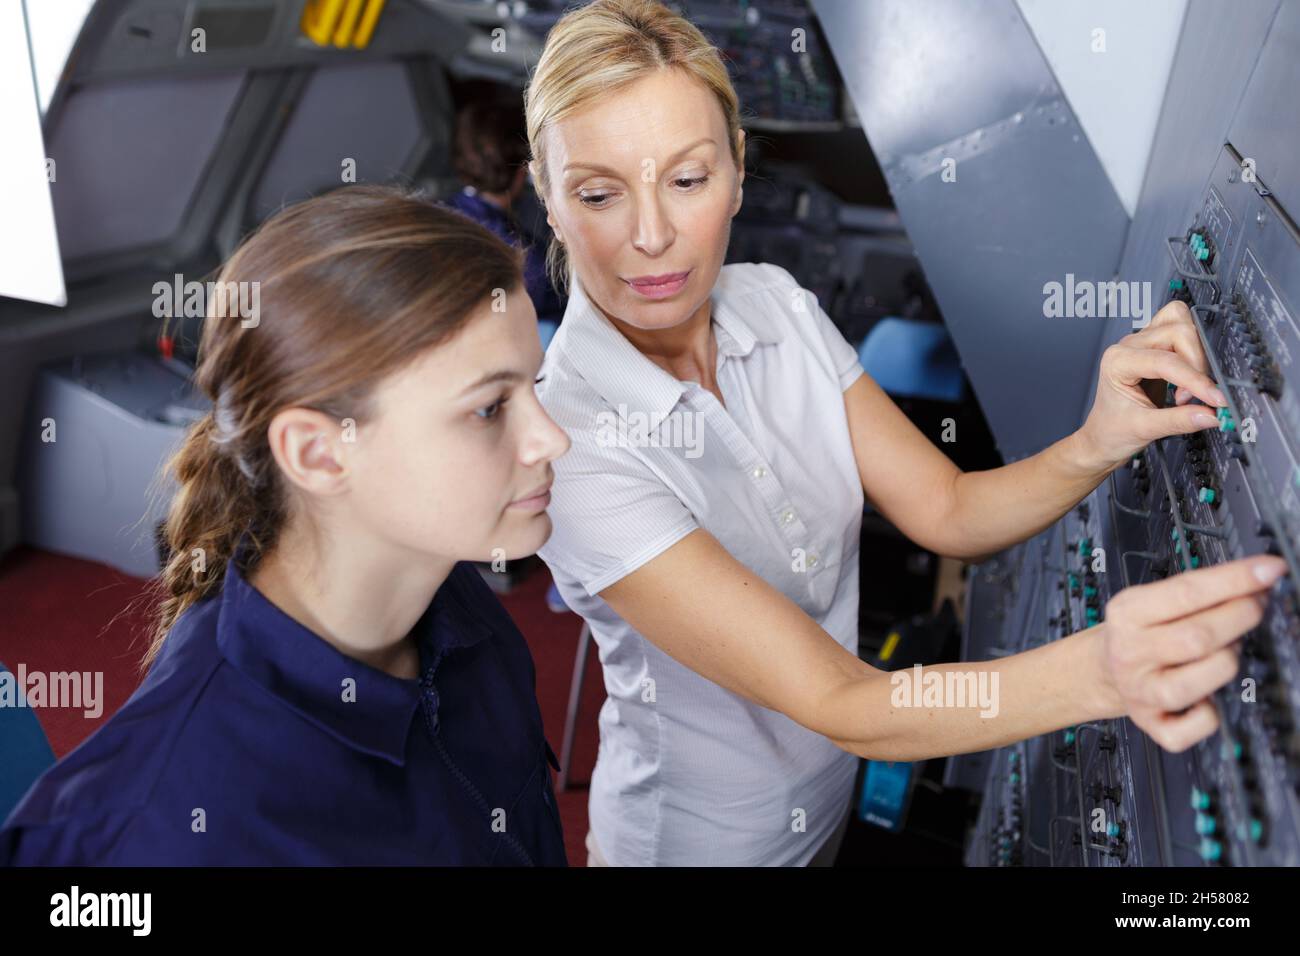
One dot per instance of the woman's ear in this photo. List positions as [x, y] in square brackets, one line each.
[306, 446]
[740, 172]
[537, 183]
[542, 198]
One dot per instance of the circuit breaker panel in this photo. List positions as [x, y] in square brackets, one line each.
[1103, 794]
[1217, 229]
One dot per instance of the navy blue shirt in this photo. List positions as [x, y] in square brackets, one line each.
[254, 741]
[546, 301]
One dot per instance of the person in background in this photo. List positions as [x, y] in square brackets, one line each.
[490, 154]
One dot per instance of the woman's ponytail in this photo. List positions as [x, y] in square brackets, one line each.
[212, 508]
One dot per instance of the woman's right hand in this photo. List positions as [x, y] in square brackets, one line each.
[1168, 645]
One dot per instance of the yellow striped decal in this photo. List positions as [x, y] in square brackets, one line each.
[318, 19]
[368, 20]
[341, 23]
[347, 22]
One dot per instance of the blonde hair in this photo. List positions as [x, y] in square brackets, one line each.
[599, 48]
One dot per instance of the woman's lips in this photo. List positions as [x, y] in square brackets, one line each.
[665, 286]
[535, 503]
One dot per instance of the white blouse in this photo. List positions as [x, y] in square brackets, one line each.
[688, 772]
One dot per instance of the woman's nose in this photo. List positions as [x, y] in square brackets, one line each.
[653, 230]
[544, 440]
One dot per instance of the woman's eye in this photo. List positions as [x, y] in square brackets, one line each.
[598, 200]
[489, 412]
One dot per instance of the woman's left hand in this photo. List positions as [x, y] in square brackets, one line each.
[1124, 419]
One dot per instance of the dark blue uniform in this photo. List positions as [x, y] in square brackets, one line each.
[546, 301]
[253, 741]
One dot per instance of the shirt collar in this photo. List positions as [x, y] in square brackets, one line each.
[624, 376]
[308, 674]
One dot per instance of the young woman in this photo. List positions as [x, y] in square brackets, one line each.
[707, 519]
[330, 682]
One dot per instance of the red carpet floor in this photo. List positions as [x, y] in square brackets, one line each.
[65, 614]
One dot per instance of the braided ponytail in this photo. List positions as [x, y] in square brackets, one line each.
[213, 508]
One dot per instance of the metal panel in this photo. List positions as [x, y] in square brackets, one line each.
[128, 156]
[1030, 204]
[1193, 127]
[365, 112]
[1264, 128]
[1230, 800]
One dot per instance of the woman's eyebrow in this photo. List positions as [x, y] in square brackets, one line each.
[491, 378]
[597, 168]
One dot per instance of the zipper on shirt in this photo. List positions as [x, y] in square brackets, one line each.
[548, 795]
[428, 704]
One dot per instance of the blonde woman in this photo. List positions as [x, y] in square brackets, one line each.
[706, 519]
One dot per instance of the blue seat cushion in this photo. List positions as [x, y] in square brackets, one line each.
[913, 359]
[27, 753]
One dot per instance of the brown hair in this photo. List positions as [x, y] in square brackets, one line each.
[596, 49]
[353, 285]
[489, 146]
